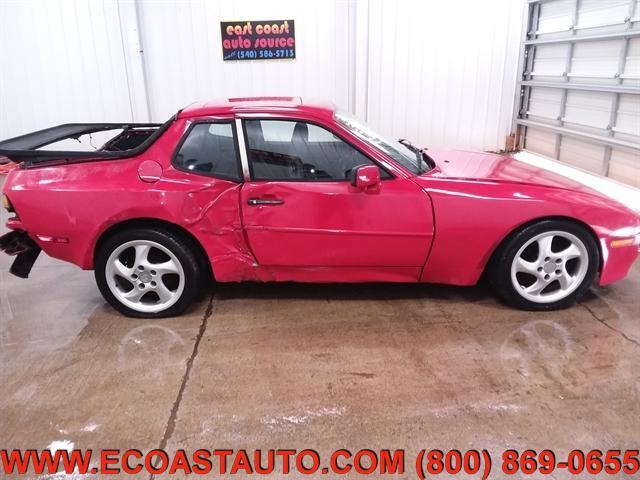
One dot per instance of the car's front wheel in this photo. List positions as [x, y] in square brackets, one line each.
[546, 266]
[147, 272]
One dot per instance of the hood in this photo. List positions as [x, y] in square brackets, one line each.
[459, 164]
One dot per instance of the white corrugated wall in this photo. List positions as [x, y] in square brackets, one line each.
[439, 73]
[183, 53]
[444, 72]
[60, 61]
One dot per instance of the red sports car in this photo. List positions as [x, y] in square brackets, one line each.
[277, 189]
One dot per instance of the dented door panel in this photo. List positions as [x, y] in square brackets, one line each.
[313, 224]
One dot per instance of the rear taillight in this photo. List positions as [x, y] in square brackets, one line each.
[6, 203]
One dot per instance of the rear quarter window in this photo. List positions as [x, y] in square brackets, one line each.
[210, 149]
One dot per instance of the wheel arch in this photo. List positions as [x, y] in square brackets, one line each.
[158, 224]
[490, 263]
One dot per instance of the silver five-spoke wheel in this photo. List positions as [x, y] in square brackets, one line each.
[549, 267]
[145, 276]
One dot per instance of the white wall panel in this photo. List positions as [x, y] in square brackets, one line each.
[443, 73]
[183, 56]
[581, 154]
[439, 73]
[628, 121]
[544, 104]
[624, 167]
[595, 60]
[631, 75]
[590, 109]
[61, 61]
[540, 141]
[555, 16]
[549, 61]
[595, 13]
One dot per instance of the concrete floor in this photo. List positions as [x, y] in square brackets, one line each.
[322, 367]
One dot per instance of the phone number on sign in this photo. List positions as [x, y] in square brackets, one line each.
[528, 462]
[280, 53]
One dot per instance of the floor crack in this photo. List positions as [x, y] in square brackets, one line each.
[619, 332]
[171, 423]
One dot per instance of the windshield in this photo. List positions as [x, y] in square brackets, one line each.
[405, 156]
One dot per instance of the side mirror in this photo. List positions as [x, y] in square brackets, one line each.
[367, 179]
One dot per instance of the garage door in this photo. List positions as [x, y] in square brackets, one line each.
[580, 85]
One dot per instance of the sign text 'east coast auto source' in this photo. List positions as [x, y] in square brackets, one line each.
[258, 40]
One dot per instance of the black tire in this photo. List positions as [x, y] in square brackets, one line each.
[179, 246]
[500, 268]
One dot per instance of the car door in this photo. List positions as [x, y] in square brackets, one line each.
[299, 208]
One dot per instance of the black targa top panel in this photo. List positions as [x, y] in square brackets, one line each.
[24, 148]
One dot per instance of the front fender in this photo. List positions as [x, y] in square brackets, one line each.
[472, 218]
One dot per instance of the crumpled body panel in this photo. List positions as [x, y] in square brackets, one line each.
[79, 202]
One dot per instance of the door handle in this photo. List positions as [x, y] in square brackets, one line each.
[265, 201]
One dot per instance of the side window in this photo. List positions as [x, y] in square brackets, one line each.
[296, 150]
[210, 149]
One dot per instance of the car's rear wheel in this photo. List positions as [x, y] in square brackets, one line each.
[546, 266]
[147, 273]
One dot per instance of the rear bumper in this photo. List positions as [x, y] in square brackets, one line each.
[18, 243]
[53, 245]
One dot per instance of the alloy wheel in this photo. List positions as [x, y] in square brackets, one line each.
[145, 276]
[549, 267]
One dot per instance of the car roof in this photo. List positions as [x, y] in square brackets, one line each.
[257, 105]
